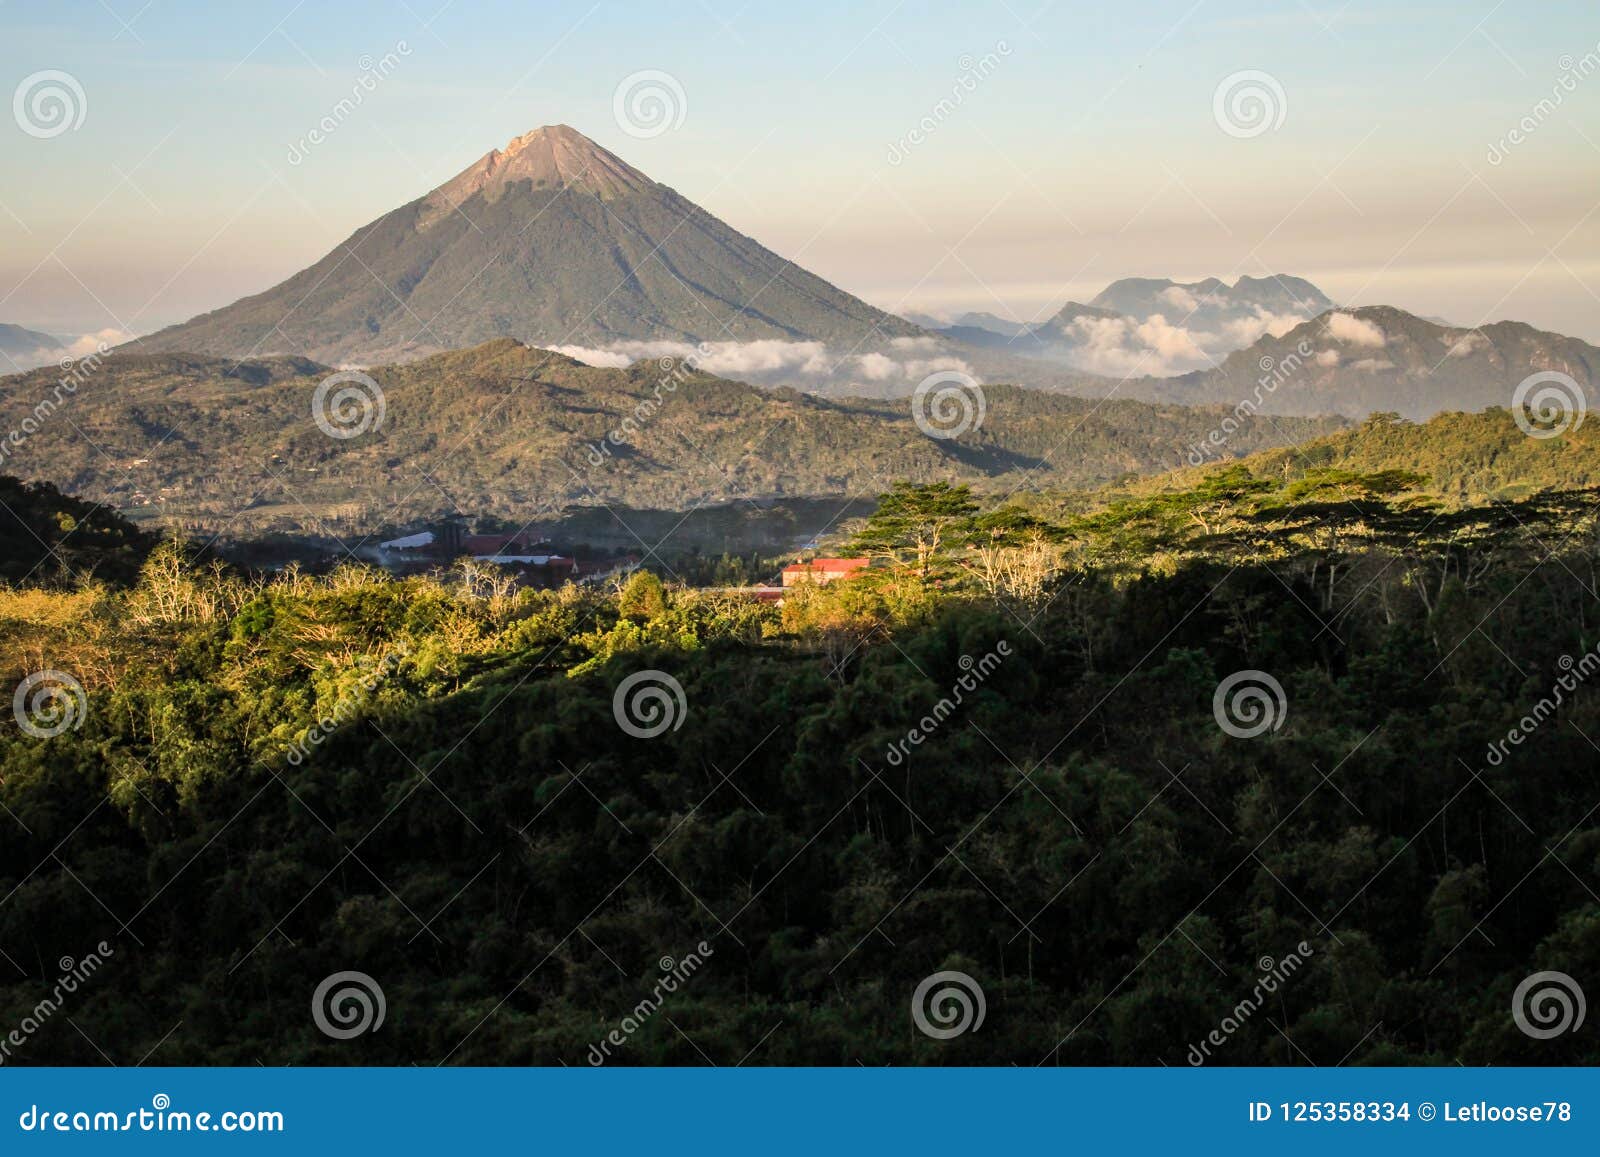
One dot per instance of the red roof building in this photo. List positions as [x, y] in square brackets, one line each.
[823, 570]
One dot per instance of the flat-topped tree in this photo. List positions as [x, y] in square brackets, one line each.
[917, 525]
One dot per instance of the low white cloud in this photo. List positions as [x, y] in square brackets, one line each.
[1468, 344]
[878, 367]
[605, 359]
[1372, 365]
[88, 343]
[1169, 329]
[916, 370]
[1328, 358]
[1160, 346]
[912, 344]
[801, 364]
[1243, 331]
[71, 347]
[1123, 347]
[1180, 298]
[1347, 327]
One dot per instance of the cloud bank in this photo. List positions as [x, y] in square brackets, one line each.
[16, 361]
[1159, 346]
[1347, 327]
[805, 365]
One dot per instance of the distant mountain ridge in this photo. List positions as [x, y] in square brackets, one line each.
[1151, 325]
[1381, 359]
[22, 349]
[553, 241]
[1211, 301]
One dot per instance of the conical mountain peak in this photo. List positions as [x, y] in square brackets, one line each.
[550, 157]
[552, 240]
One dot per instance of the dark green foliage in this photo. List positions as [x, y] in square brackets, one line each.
[1079, 835]
[917, 525]
[49, 537]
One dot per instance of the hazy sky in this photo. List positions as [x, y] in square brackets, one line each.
[1086, 143]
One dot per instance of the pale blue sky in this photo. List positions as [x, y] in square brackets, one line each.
[1090, 151]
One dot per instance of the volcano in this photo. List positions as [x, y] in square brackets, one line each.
[552, 240]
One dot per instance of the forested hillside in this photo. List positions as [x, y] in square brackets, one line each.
[520, 433]
[1111, 849]
[1465, 457]
[1458, 460]
[47, 536]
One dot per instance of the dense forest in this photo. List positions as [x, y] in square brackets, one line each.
[1008, 750]
[47, 536]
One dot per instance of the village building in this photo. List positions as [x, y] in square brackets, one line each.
[822, 570]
